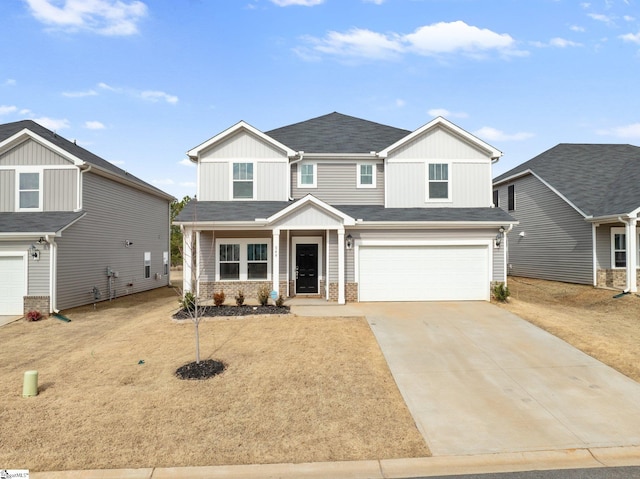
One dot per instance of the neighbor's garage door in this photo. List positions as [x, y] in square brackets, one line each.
[423, 273]
[11, 284]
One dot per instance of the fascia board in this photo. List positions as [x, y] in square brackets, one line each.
[513, 177]
[241, 125]
[347, 220]
[352, 156]
[612, 218]
[433, 224]
[26, 133]
[443, 122]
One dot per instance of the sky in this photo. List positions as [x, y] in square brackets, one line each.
[140, 83]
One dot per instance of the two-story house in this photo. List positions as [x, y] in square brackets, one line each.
[74, 228]
[346, 209]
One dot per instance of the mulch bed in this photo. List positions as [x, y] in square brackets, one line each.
[202, 370]
[245, 310]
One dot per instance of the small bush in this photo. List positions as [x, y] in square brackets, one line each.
[188, 302]
[34, 315]
[218, 298]
[280, 301]
[501, 292]
[263, 295]
[240, 298]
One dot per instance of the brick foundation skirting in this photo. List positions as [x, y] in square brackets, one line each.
[231, 288]
[612, 278]
[37, 303]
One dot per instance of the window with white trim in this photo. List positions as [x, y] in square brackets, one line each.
[242, 181]
[29, 190]
[147, 264]
[619, 248]
[307, 175]
[165, 262]
[243, 259]
[438, 179]
[366, 175]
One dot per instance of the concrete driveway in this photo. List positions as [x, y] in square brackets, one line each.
[480, 380]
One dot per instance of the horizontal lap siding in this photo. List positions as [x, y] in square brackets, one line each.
[557, 241]
[115, 213]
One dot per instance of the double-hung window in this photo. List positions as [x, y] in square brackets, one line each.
[366, 175]
[243, 259]
[619, 248]
[307, 175]
[242, 180]
[29, 191]
[511, 198]
[147, 264]
[438, 181]
[165, 263]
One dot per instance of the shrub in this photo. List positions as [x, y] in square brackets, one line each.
[188, 302]
[280, 301]
[218, 298]
[34, 315]
[263, 295]
[240, 298]
[501, 292]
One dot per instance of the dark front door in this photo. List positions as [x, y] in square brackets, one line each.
[307, 269]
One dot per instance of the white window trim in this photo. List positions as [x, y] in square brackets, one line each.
[40, 172]
[359, 174]
[315, 175]
[231, 180]
[147, 262]
[449, 199]
[243, 242]
[622, 230]
[165, 263]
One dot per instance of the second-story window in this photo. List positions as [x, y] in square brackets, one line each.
[511, 198]
[438, 181]
[307, 175]
[29, 191]
[366, 175]
[243, 180]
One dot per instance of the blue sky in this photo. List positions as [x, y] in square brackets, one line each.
[141, 82]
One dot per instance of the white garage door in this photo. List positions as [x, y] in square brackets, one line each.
[11, 284]
[423, 273]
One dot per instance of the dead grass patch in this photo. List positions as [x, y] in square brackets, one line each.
[588, 318]
[294, 390]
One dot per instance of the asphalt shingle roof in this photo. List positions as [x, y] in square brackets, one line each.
[45, 222]
[600, 179]
[337, 133]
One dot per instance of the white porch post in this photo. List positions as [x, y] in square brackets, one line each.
[341, 299]
[594, 254]
[632, 255]
[326, 265]
[187, 246]
[275, 262]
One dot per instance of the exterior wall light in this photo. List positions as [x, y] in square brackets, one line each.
[349, 241]
[34, 252]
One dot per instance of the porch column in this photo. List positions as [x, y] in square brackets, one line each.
[341, 299]
[275, 262]
[632, 255]
[327, 264]
[187, 247]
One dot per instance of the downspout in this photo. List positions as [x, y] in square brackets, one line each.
[53, 278]
[81, 185]
[289, 180]
[506, 246]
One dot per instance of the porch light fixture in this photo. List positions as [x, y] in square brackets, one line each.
[499, 236]
[34, 252]
[128, 243]
[349, 241]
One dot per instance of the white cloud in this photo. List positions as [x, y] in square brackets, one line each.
[186, 162]
[601, 18]
[164, 181]
[104, 17]
[190, 184]
[155, 96]
[626, 131]
[52, 123]
[577, 28]
[629, 18]
[491, 134]
[6, 109]
[104, 86]
[94, 125]
[557, 43]
[304, 3]
[79, 94]
[400, 102]
[9, 82]
[430, 40]
[376, 2]
[631, 37]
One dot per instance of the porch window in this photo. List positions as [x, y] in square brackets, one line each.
[366, 175]
[257, 258]
[438, 181]
[147, 264]
[307, 175]
[243, 180]
[229, 261]
[619, 248]
[29, 191]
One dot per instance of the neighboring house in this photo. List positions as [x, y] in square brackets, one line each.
[74, 228]
[577, 205]
[345, 209]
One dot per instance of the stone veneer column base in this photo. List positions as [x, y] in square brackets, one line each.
[613, 278]
[37, 303]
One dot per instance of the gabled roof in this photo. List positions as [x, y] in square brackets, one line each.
[600, 180]
[13, 133]
[337, 133]
[40, 223]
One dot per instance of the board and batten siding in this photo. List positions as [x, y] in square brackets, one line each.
[557, 241]
[438, 144]
[31, 153]
[115, 213]
[469, 183]
[336, 184]
[37, 271]
[60, 190]
[7, 190]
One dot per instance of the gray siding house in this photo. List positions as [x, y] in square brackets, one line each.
[347, 210]
[74, 228]
[577, 207]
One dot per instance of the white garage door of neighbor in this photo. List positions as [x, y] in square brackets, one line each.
[423, 273]
[11, 284]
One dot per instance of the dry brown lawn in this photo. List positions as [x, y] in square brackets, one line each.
[590, 319]
[295, 390]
